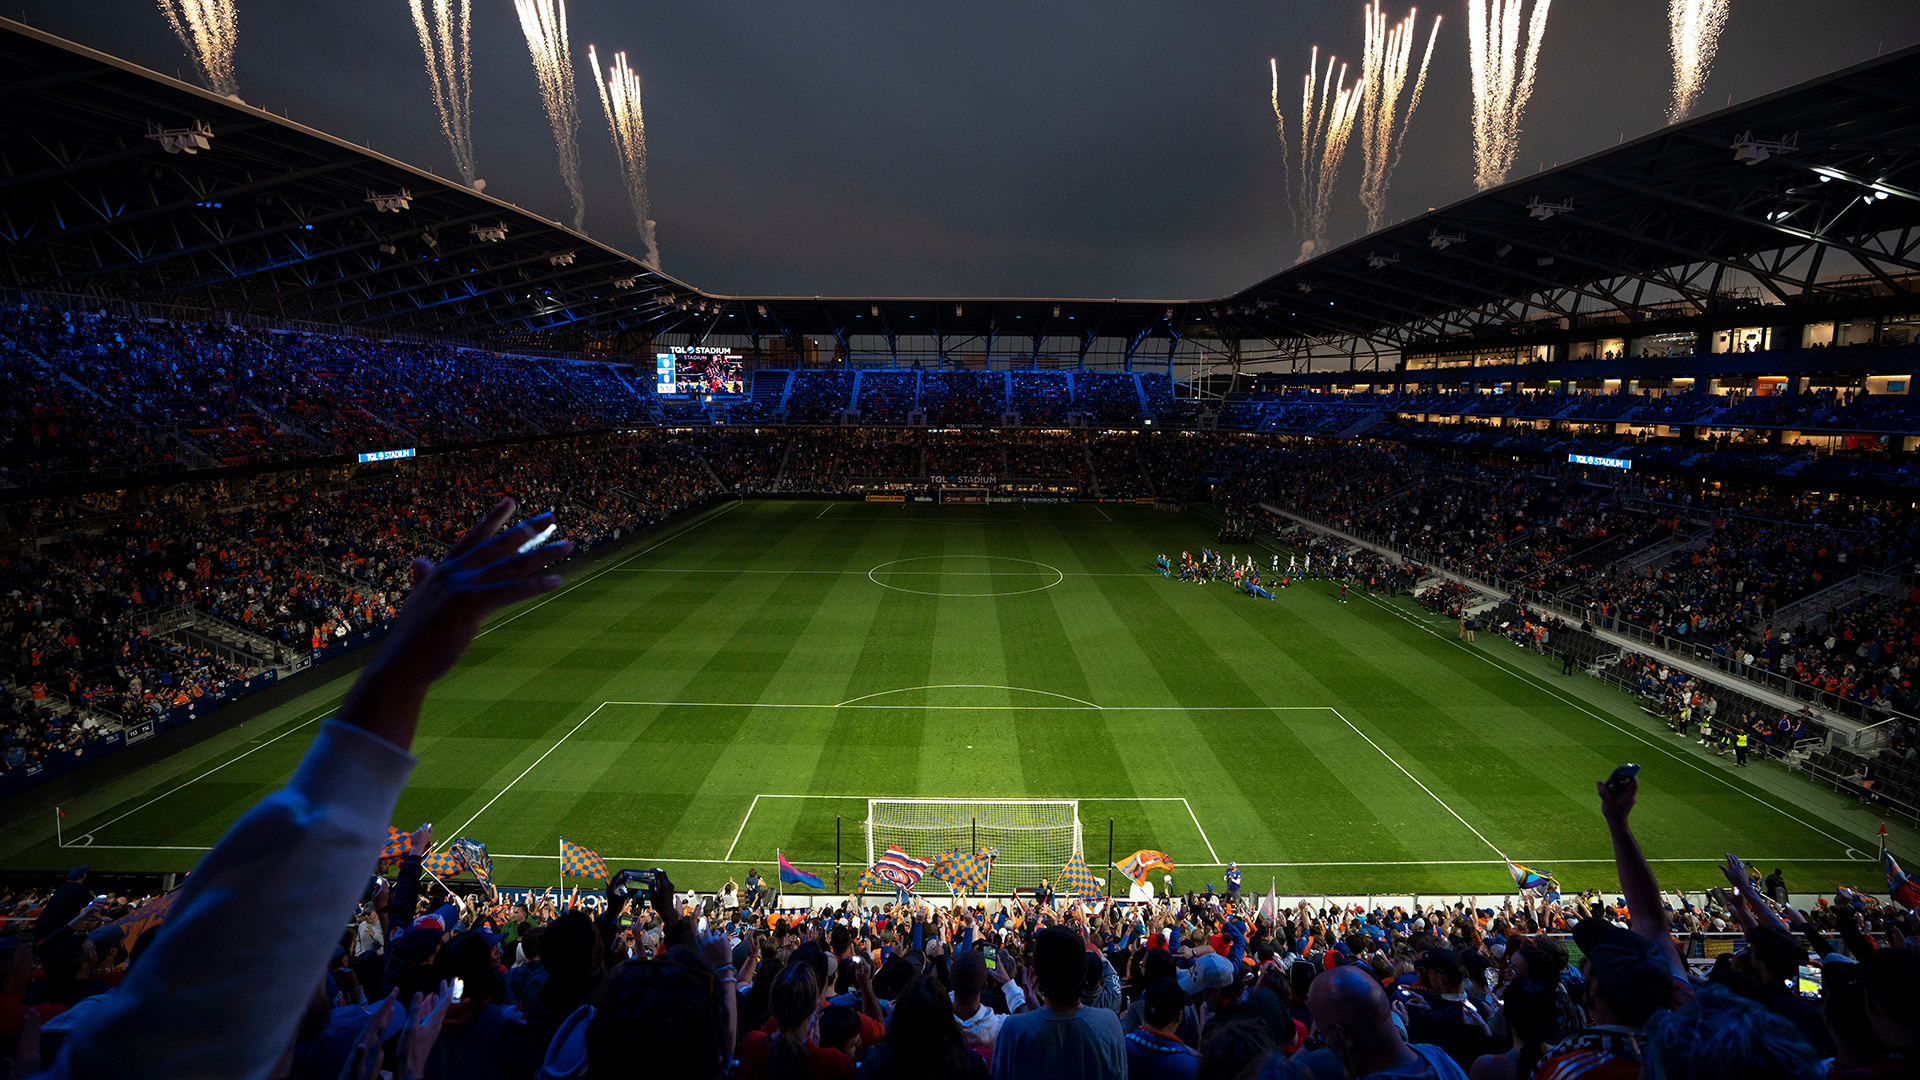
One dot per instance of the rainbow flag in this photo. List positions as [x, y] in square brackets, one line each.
[1525, 877]
[1075, 878]
[1140, 864]
[579, 862]
[793, 875]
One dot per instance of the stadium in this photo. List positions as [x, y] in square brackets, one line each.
[1298, 629]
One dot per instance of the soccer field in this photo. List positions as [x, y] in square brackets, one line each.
[728, 688]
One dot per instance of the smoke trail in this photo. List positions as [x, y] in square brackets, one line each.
[444, 42]
[544, 22]
[1502, 81]
[620, 100]
[1329, 105]
[1383, 75]
[1694, 26]
[207, 28]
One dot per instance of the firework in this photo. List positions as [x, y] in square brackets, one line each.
[620, 100]
[1328, 107]
[544, 22]
[444, 41]
[1695, 27]
[1385, 61]
[207, 28]
[1502, 81]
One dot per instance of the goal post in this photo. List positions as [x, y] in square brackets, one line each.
[1035, 837]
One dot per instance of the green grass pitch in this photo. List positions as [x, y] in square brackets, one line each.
[848, 650]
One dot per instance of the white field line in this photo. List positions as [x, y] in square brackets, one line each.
[1039, 708]
[743, 823]
[1214, 855]
[523, 775]
[823, 512]
[1423, 787]
[1532, 680]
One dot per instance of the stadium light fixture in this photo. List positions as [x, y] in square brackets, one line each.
[186, 140]
[1303, 287]
[623, 283]
[1544, 260]
[565, 258]
[1537, 208]
[1441, 241]
[958, 310]
[873, 310]
[1377, 261]
[431, 240]
[763, 311]
[1753, 151]
[489, 234]
[387, 249]
[391, 204]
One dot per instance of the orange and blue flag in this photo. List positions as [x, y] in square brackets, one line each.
[443, 863]
[1140, 864]
[895, 869]
[1526, 877]
[793, 875]
[579, 862]
[966, 871]
[396, 846]
[1075, 878]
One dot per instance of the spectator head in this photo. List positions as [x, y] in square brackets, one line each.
[969, 973]
[78, 873]
[1058, 965]
[1235, 1049]
[1532, 1013]
[470, 958]
[921, 1027]
[1724, 1034]
[1158, 965]
[570, 946]
[795, 998]
[1163, 1005]
[840, 941]
[840, 1029]
[1300, 976]
[1440, 970]
[651, 1018]
[1891, 981]
[1353, 1016]
[1208, 978]
[1627, 982]
[1775, 957]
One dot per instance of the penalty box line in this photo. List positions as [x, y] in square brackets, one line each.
[751, 807]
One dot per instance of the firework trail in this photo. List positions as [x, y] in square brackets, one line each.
[1695, 27]
[620, 100]
[207, 28]
[1329, 106]
[544, 22]
[1502, 81]
[1384, 63]
[444, 41]
[1286, 161]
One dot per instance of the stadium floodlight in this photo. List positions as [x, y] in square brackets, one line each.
[489, 234]
[565, 258]
[1754, 151]
[1538, 208]
[391, 204]
[623, 283]
[1544, 260]
[1441, 241]
[873, 310]
[1056, 311]
[430, 239]
[958, 310]
[1303, 287]
[1377, 261]
[763, 311]
[387, 249]
[186, 140]
[1035, 837]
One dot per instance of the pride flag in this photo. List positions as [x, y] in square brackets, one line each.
[793, 875]
[1525, 877]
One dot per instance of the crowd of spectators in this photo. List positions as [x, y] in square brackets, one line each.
[818, 397]
[1040, 397]
[970, 398]
[1116, 467]
[1105, 396]
[887, 397]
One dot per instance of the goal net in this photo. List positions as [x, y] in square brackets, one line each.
[1035, 837]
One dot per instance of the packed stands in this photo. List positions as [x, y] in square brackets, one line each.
[887, 397]
[818, 397]
[1040, 397]
[969, 398]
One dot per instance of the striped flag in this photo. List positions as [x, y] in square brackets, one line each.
[895, 869]
[793, 875]
[1526, 877]
[1075, 878]
[1140, 864]
[966, 871]
[579, 862]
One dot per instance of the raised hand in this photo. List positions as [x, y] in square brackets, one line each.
[422, 1030]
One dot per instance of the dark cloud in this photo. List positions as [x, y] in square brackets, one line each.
[1116, 148]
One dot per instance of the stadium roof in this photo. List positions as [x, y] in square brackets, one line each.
[277, 219]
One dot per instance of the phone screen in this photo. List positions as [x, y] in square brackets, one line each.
[1808, 982]
[459, 989]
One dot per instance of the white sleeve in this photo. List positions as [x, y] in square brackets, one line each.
[1016, 997]
[222, 989]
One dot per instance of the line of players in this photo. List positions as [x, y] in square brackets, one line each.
[1246, 575]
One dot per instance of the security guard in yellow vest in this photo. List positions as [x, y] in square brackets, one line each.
[1740, 749]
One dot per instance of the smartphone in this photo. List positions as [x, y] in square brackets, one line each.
[1808, 982]
[459, 988]
[1620, 777]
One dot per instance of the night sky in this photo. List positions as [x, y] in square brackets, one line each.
[1073, 148]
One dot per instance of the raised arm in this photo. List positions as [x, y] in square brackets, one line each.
[1637, 883]
[222, 988]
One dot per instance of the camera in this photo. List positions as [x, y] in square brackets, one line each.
[640, 885]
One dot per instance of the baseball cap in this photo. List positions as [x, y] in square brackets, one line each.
[78, 872]
[1209, 972]
[1164, 1001]
[1631, 973]
[429, 922]
[1445, 962]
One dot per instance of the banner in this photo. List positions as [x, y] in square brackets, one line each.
[887, 498]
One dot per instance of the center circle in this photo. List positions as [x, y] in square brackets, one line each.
[966, 575]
